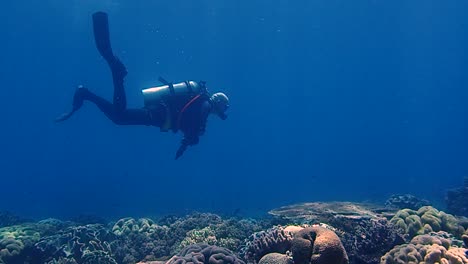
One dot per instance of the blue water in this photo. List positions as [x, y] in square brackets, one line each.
[330, 100]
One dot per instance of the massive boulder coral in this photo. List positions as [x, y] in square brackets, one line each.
[431, 248]
[425, 220]
[318, 245]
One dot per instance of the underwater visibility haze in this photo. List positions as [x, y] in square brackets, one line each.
[329, 101]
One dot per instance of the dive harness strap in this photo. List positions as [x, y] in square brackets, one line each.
[186, 106]
[168, 124]
[171, 85]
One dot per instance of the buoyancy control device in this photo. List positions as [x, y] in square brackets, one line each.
[155, 95]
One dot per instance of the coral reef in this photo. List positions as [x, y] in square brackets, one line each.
[366, 240]
[361, 236]
[406, 201]
[363, 229]
[180, 227]
[83, 244]
[317, 244]
[273, 240]
[203, 253]
[17, 241]
[145, 239]
[14, 240]
[425, 220]
[140, 239]
[228, 234]
[430, 248]
[457, 200]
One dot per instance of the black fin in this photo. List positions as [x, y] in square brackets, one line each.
[101, 35]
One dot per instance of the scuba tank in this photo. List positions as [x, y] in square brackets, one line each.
[155, 95]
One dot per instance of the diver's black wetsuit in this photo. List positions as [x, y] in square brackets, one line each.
[190, 118]
[191, 122]
[118, 111]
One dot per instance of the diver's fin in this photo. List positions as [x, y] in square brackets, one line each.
[101, 35]
[164, 81]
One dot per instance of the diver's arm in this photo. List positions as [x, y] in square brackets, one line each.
[205, 111]
[188, 140]
[192, 137]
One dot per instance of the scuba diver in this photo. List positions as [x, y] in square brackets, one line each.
[183, 106]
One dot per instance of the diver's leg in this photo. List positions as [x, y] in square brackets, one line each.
[78, 99]
[103, 45]
[118, 75]
[118, 116]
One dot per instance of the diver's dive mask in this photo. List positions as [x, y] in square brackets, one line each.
[220, 104]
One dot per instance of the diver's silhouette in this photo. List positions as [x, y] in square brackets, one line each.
[183, 106]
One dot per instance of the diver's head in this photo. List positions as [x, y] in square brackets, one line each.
[220, 103]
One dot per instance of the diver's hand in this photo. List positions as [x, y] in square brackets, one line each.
[63, 117]
[186, 141]
[181, 151]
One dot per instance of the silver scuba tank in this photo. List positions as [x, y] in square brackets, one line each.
[154, 95]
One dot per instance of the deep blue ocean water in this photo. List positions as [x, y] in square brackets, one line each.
[330, 100]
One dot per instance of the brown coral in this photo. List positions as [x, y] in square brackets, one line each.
[433, 248]
[325, 247]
